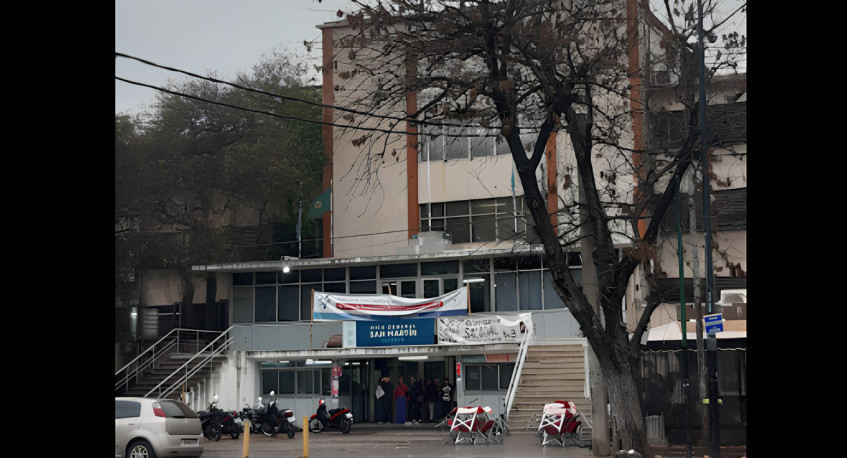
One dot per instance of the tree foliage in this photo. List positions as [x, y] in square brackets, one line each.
[528, 68]
[216, 170]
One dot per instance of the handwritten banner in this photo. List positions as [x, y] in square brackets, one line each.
[369, 307]
[484, 329]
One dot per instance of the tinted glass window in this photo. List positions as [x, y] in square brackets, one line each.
[127, 409]
[176, 409]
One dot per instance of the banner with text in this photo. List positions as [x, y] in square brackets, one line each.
[484, 329]
[402, 331]
[368, 307]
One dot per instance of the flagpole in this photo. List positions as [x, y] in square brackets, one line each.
[312, 318]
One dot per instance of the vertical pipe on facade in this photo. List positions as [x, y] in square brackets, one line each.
[328, 97]
[413, 217]
[634, 75]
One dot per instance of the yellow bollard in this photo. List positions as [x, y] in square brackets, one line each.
[244, 453]
[305, 438]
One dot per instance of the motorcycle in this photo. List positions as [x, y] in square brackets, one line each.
[340, 418]
[216, 422]
[274, 421]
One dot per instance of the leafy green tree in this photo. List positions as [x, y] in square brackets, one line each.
[215, 172]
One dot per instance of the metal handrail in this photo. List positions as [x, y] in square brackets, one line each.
[222, 347]
[516, 375]
[148, 357]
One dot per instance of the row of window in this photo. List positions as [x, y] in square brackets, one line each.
[443, 143]
[480, 220]
[495, 284]
[294, 381]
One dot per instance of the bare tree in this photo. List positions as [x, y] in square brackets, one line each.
[523, 69]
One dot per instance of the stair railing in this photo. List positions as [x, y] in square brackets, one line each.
[145, 359]
[516, 374]
[204, 357]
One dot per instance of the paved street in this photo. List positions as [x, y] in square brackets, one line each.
[386, 441]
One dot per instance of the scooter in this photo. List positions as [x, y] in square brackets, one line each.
[340, 418]
[276, 421]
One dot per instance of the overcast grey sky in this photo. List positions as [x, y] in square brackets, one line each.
[227, 36]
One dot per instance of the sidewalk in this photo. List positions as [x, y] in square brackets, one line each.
[412, 440]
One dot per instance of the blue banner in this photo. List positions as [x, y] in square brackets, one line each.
[386, 333]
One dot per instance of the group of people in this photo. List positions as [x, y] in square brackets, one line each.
[416, 403]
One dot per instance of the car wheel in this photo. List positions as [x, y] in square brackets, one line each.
[140, 449]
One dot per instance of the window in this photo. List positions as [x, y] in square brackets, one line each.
[482, 220]
[488, 377]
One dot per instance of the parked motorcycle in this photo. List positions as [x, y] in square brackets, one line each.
[340, 418]
[274, 420]
[216, 422]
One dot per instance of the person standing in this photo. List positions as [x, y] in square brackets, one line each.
[429, 398]
[446, 397]
[415, 399]
[382, 408]
[437, 413]
[400, 401]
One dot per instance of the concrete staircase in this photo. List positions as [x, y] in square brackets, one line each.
[170, 368]
[551, 373]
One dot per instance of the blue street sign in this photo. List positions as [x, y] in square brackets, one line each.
[713, 323]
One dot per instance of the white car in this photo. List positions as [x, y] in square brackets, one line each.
[147, 428]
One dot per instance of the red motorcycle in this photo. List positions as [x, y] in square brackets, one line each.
[340, 418]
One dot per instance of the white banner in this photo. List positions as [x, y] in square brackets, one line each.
[329, 307]
[484, 329]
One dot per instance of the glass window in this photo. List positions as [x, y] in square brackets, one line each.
[431, 287]
[363, 287]
[440, 267]
[476, 265]
[483, 228]
[459, 229]
[306, 300]
[505, 298]
[289, 303]
[450, 284]
[305, 384]
[311, 275]
[506, 370]
[335, 274]
[290, 277]
[489, 377]
[551, 297]
[242, 279]
[270, 381]
[407, 288]
[362, 272]
[530, 290]
[265, 303]
[479, 291]
[286, 382]
[472, 378]
[265, 278]
[398, 270]
[242, 305]
[337, 287]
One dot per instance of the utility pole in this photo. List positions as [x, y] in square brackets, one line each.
[711, 345]
[299, 224]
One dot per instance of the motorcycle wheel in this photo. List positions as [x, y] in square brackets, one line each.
[267, 429]
[315, 425]
[235, 435]
[345, 427]
[290, 431]
[215, 433]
